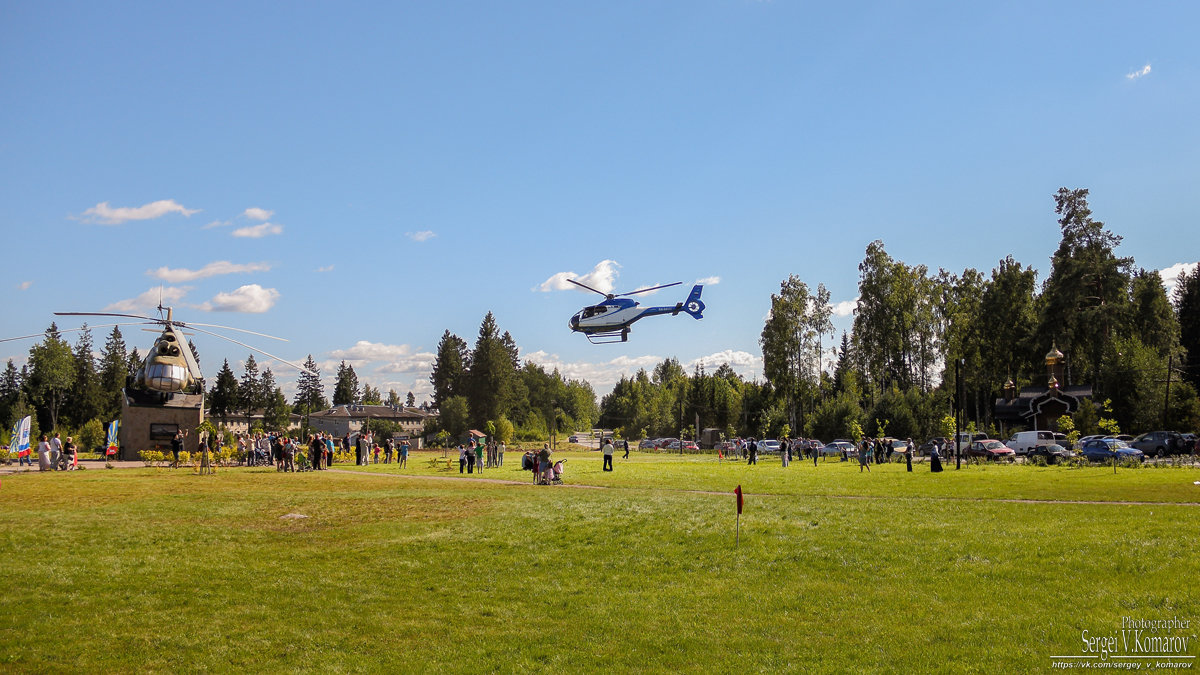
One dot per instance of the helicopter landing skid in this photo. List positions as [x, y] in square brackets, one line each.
[608, 337]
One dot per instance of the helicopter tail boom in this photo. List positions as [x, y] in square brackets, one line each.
[693, 305]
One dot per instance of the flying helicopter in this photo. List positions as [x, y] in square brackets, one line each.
[609, 321]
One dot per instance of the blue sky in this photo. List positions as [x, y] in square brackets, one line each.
[359, 178]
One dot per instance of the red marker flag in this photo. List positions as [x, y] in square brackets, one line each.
[738, 492]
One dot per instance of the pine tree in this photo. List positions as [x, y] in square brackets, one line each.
[346, 389]
[276, 410]
[1151, 317]
[113, 371]
[310, 393]
[10, 389]
[250, 391]
[134, 363]
[393, 399]
[86, 398]
[490, 375]
[1187, 310]
[223, 397]
[410, 400]
[449, 368]
[195, 352]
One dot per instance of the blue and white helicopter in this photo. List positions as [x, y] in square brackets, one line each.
[610, 320]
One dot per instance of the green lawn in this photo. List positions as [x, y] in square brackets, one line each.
[159, 570]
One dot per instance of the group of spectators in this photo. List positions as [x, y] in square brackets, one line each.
[54, 454]
[365, 447]
[475, 454]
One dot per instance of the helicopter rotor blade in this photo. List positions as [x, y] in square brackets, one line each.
[73, 330]
[130, 316]
[582, 285]
[267, 354]
[652, 288]
[189, 324]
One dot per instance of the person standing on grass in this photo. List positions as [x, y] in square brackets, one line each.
[785, 452]
[55, 451]
[543, 460]
[864, 455]
[908, 455]
[389, 448]
[935, 458]
[752, 451]
[176, 447]
[626, 444]
[607, 450]
[462, 458]
[480, 453]
[404, 453]
[500, 453]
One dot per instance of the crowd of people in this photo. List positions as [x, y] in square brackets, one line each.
[474, 455]
[54, 454]
[870, 451]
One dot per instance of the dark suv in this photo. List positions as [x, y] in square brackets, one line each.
[1160, 443]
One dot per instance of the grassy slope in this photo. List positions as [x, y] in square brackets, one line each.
[160, 570]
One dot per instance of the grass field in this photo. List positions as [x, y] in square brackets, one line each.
[160, 570]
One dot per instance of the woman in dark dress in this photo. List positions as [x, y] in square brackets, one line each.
[935, 460]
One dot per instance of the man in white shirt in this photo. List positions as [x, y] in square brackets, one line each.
[607, 449]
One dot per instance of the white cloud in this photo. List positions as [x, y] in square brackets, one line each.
[24, 285]
[1171, 274]
[423, 235]
[106, 215]
[709, 281]
[1138, 73]
[258, 231]
[212, 269]
[845, 307]
[249, 299]
[217, 223]
[255, 213]
[327, 268]
[371, 351]
[601, 278]
[150, 299]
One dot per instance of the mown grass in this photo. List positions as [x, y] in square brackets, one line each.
[157, 570]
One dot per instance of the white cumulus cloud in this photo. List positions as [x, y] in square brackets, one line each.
[1171, 274]
[255, 213]
[107, 215]
[24, 285]
[150, 299]
[709, 281]
[845, 307]
[258, 231]
[212, 269]
[423, 235]
[1144, 71]
[327, 268]
[249, 299]
[602, 278]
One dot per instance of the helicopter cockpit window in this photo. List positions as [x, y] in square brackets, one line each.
[165, 377]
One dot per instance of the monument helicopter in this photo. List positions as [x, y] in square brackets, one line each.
[170, 368]
[609, 321]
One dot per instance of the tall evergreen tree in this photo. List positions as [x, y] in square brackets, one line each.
[276, 411]
[449, 368]
[86, 398]
[251, 396]
[310, 393]
[346, 389]
[789, 347]
[1084, 300]
[1187, 309]
[490, 375]
[1152, 318]
[134, 363]
[10, 389]
[1006, 347]
[195, 352]
[371, 395]
[223, 399]
[114, 369]
[410, 400]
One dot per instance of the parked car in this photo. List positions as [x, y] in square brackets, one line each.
[647, 444]
[1024, 441]
[1122, 437]
[768, 446]
[573, 439]
[1104, 449]
[965, 439]
[927, 447]
[1052, 454]
[1160, 443]
[990, 448]
[1085, 439]
[838, 448]
[690, 445]
[899, 446]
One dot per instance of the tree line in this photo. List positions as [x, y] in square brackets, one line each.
[894, 372]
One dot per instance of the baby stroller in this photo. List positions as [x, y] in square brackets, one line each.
[554, 476]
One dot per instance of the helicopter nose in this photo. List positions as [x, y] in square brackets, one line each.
[574, 322]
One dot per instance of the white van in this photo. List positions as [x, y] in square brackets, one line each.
[1024, 441]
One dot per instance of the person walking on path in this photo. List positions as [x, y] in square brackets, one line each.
[55, 451]
[607, 450]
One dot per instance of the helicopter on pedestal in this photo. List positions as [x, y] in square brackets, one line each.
[609, 321]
